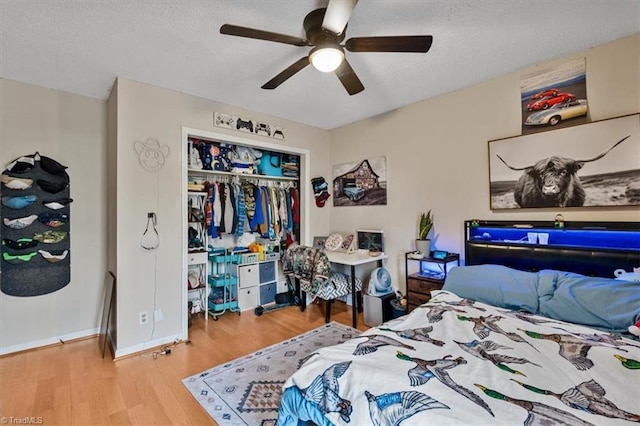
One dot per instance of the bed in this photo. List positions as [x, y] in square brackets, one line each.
[495, 346]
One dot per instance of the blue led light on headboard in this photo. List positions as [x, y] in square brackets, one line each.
[602, 238]
[587, 248]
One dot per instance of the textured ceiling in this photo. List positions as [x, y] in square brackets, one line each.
[82, 46]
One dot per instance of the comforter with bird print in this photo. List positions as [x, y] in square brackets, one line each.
[458, 361]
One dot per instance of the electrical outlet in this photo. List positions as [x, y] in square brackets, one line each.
[144, 317]
[158, 315]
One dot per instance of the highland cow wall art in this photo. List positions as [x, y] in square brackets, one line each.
[591, 165]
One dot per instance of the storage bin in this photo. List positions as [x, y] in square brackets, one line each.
[267, 272]
[230, 258]
[271, 256]
[249, 258]
[267, 293]
[248, 298]
[248, 275]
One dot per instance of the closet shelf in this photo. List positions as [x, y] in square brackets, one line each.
[241, 175]
[198, 250]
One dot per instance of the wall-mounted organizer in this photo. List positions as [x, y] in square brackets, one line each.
[36, 242]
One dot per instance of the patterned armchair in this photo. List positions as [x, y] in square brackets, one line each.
[311, 268]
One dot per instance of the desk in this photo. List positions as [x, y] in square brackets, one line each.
[352, 260]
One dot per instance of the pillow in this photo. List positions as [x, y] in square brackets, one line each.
[603, 303]
[496, 285]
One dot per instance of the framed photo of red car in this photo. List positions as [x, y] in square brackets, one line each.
[592, 165]
[554, 97]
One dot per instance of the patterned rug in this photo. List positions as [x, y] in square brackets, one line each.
[246, 391]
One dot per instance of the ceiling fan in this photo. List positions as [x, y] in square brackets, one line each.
[325, 29]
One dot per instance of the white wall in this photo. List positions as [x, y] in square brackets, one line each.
[72, 130]
[153, 280]
[437, 153]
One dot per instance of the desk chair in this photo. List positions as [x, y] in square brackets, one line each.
[311, 270]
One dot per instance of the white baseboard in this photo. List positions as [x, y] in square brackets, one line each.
[48, 341]
[146, 346]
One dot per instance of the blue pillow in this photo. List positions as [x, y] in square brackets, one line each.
[496, 285]
[603, 303]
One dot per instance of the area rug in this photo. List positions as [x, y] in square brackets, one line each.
[246, 391]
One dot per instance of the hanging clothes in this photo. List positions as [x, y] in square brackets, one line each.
[217, 206]
[240, 211]
[273, 209]
[223, 195]
[258, 216]
[249, 199]
[229, 210]
[264, 224]
[212, 230]
[282, 210]
[243, 206]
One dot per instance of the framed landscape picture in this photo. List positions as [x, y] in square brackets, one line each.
[361, 183]
[592, 165]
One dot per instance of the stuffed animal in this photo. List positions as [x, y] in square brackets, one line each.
[244, 159]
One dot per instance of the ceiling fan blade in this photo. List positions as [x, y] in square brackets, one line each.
[287, 73]
[348, 78]
[337, 15]
[235, 30]
[417, 44]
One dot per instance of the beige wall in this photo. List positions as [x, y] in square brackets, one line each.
[436, 157]
[153, 280]
[72, 130]
[437, 153]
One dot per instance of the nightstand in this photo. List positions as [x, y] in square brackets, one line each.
[421, 283]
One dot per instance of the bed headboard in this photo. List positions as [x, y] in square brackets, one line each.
[587, 248]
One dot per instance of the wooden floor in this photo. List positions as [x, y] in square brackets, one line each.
[70, 384]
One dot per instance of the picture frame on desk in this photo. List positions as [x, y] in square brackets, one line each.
[318, 242]
[370, 239]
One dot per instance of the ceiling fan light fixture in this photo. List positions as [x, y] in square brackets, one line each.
[326, 58]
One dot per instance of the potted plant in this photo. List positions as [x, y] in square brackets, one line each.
[423, 244]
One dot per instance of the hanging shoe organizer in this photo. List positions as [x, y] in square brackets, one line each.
[36, 241]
